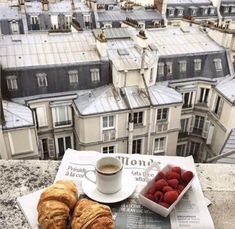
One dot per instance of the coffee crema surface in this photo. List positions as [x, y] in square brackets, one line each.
[108, 168]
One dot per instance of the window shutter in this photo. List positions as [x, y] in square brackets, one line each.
[51, 148]
[40, 151]
[192, 124]
[210, 135]
[205, 129]
[220, 107]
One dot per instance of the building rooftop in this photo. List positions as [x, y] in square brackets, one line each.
[64, 6]
[16, 115]
[188, 2]
[227, 88]
[42, 49]
[9, 11]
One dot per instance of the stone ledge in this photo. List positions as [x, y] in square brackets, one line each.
[22, 177]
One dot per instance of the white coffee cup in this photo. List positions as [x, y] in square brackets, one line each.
[108, 173]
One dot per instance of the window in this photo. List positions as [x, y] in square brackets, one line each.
[68, 20]
[160, 70]
[108, 25]
[95, 75]
[159, 144]
[183, 66]
[187, 98]
[204, 92]
[171, 11]
[41, 116]
[151, 76]
[197, 64]
[205, 11]
[108, 122]
[136, 146]
[162, 114]
[62, 116]
[42, 79]
[73, 77]
[108, 149]
[194, 150]
[63, 144]
[137, 118]
[54, 21]
[34, 20]
[233, 9]
[218, 64]
[141, 25]
[184, 125]
[198, 124]
[218, 106]
[12, 83]
[180, 12]
[14, 27]
[169, 68]
[181, 150]
[87, 20]
[212, 11]
[226, 9]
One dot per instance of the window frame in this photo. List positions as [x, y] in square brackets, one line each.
[73, 77]
[169, 68]
[160, 112]
[136, 145]
[12, 84]
[197, 65]
[204, 95]
[161, 68]
[95, 75]
[218, 64]
[108, 149]
[57, 123]
[14, 25]
[189, 104]
[183, 66]
[159, 148]
[41, 79]
[108, 127]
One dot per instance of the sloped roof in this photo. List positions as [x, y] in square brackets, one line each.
[16, 115]
[227, 88]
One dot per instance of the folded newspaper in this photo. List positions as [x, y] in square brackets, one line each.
[190, 213]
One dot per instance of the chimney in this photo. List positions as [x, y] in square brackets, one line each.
[45, 5]
[93, 5]
[160, 5]
[141, 39]
[73, 5]
[21, 6]
[101, 44]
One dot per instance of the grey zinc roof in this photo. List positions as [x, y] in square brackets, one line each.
[42, 49]
[121, 15]
[99, 100]
[8, 11]
[163, 95]
[229, 146]
[188, 2]
[173, 41]
[64, 6]
[113, 33]
[227, 88]
[16, 115]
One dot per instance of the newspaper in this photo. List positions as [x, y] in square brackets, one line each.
[190, 213]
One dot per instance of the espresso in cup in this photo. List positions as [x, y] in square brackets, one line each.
[108, 173]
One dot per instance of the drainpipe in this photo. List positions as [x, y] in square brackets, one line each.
[151, 105]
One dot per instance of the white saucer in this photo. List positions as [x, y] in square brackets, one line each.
[128, 187]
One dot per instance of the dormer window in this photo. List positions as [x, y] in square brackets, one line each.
[160, 70]
[110, 7]
[12, 83]
[171, 11]
[226, 9]
[73, 77]
[141, 25]
[108, 25]
[169, 68]
[197, 64]
[180, 11]
[34, 20]
[218, 64]
[205, 11]
[14, 27]
[183, 66]
[212, 10]
[42, 79]
[95, 75]
[233, 9]
[193, 11]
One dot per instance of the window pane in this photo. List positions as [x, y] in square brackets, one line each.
[68, 142]
[61, 146]
[111, 121]
[105, 122]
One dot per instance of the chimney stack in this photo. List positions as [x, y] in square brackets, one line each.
[45, 5]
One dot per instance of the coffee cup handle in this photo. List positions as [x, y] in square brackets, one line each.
[88, 178]
[147, 171]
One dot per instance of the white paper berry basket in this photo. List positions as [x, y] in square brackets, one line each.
[155, 207]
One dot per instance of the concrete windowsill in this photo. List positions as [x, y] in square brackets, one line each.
[22, 177]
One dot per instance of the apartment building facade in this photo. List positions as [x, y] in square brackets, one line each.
[121, 90]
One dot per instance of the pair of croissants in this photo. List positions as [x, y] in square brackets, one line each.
[59, 208]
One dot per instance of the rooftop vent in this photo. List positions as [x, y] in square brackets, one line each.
[122, 52]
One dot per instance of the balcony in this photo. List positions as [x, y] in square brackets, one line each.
[22, 177]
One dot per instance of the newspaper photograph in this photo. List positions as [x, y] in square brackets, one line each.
[190, 213]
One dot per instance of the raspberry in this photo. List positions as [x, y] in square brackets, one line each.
[181, 187]
[176, 169]
[160, 184]
[167, 189]
[150, 197]
[170, 197]
[172, 175]
[159, 176]
[151, 190]
[187, 176]
[158, 196]
[164, 204]
[173, 183]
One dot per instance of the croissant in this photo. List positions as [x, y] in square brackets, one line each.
[55, 204]
[92, 215]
